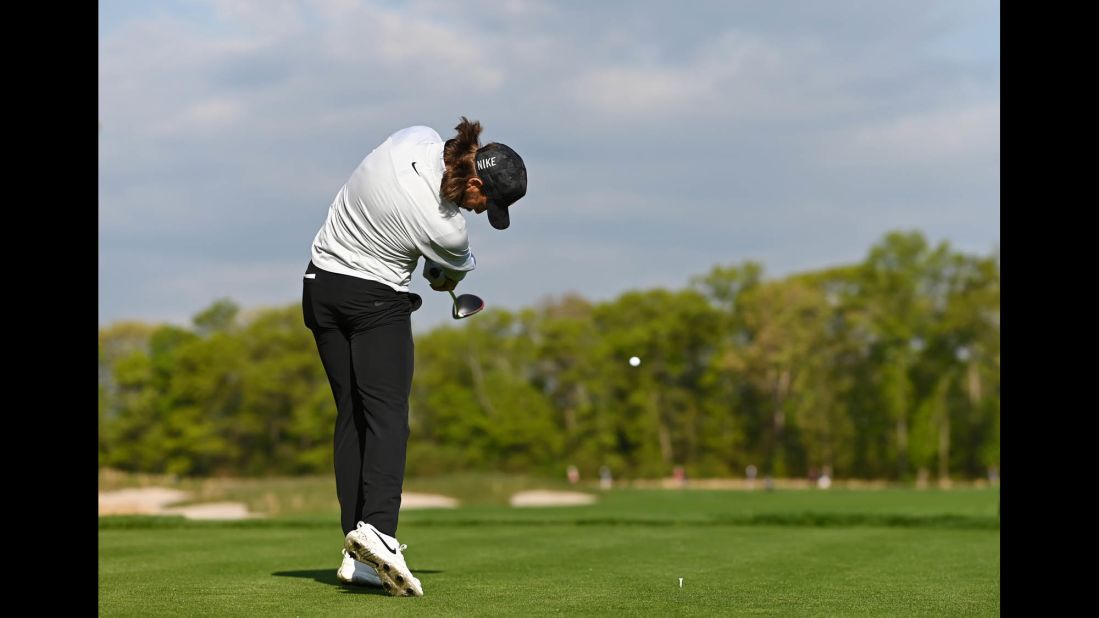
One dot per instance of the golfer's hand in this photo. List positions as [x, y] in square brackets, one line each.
[445, 286]
[436, 277]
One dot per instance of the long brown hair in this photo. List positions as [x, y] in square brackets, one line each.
[459, 153]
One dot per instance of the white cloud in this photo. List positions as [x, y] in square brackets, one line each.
[202, 118]
[941, 138]
[436, 55]
[730, 77]
[271, 18]
[638, 91]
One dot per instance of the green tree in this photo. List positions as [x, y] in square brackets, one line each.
[882, 368]
[896, 282]
[218, 317]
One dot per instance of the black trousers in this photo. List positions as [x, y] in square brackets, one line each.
[363, 331]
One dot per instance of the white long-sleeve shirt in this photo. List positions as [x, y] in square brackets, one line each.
[390, 212]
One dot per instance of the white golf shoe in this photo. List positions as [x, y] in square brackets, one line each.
[358, 573]
[381, 551]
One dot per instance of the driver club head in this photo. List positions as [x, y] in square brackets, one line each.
[465, 305]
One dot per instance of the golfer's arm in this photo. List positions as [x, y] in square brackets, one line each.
[449, 253]
[454, 261]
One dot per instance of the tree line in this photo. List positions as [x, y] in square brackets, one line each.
[884, 369]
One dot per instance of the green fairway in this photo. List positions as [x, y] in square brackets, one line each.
[893, 552]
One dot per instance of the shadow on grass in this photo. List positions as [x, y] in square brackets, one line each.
[328, 576]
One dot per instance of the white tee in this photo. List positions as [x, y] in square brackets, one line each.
[390, 212]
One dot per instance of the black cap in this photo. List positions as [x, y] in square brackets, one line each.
[505, 177]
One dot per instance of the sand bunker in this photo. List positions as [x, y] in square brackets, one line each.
[139, 501]
[212, 510]
[543, 497]
[156, 501]
[427, 501]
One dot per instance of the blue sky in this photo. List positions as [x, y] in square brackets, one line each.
[661, 138]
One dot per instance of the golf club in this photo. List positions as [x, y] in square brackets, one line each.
[465, 305]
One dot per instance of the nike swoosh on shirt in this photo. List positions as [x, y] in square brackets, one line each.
[414, 167]
[391, 550]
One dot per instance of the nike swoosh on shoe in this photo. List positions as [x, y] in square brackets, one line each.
[391, 550]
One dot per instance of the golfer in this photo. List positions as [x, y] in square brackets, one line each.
[403, 201]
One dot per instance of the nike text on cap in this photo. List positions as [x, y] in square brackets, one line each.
[505, 178]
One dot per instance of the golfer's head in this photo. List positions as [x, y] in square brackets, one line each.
[504, 180]
[478, 178]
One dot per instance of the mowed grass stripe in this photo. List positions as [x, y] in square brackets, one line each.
[583, 570]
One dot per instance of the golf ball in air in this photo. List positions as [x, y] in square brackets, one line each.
[634, 361]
